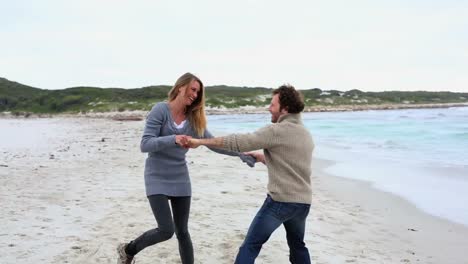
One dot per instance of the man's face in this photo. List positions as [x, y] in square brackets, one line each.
[275, 109]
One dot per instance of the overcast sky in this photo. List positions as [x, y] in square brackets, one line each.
[368, 45]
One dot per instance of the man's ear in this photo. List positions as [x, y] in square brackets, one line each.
[284, 110]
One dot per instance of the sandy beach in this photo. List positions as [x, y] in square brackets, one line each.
[75, 195]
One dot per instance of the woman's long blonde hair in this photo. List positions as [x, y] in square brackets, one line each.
[196, 111]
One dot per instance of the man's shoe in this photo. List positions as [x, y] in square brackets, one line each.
[124, 258]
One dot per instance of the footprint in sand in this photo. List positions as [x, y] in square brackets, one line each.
[241, 236]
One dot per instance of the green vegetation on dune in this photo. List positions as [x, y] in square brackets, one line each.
[16, 97]
[232, 96]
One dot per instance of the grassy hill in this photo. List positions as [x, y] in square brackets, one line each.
[16, 97]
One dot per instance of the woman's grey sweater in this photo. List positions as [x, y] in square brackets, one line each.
[166, 169]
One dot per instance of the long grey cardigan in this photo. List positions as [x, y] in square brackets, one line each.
[166, 169]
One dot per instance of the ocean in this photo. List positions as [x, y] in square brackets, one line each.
[420, 155]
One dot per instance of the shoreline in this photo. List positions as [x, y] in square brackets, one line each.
[424, 238]
[138, 115]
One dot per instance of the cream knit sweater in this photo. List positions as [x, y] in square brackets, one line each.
[288, 147]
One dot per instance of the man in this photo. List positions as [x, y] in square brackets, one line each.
[287, 152]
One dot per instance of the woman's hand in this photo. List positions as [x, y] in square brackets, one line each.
[257, 155]
[182, 140]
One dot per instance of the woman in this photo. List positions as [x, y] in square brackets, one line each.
[168, 128]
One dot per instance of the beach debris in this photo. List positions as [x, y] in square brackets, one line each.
[3, 165]
[11, 245]
[412, 229]
[51, 156]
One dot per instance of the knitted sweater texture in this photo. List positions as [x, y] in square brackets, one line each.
[166, 170]
[288, 148]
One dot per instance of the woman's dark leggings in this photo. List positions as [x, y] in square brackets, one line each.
[165, 230]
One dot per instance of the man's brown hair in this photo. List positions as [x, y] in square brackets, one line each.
[290, 99]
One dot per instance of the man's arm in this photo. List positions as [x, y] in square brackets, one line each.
[260, 139]
[216, 142]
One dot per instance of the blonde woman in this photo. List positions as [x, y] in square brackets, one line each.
[168, 128]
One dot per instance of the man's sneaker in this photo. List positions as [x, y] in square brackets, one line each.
[124, 258]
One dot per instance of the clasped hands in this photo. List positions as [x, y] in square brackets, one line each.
[187, 141]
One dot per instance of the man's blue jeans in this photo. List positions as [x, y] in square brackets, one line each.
[270, 216]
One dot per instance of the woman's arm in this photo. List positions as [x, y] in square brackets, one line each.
[151, 141]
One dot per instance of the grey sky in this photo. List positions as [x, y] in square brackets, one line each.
[367, 45]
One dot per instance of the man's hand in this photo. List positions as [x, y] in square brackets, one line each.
[193, 143]
[257, 155]
[182, 140]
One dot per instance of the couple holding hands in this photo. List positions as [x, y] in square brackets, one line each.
[175, 126]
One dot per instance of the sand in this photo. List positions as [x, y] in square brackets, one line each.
[81, 192]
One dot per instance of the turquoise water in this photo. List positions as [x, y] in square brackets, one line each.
[420, 155]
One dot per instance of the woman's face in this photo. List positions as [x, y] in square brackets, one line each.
[189, 93]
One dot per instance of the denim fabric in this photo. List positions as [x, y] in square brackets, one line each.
[270, 216]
